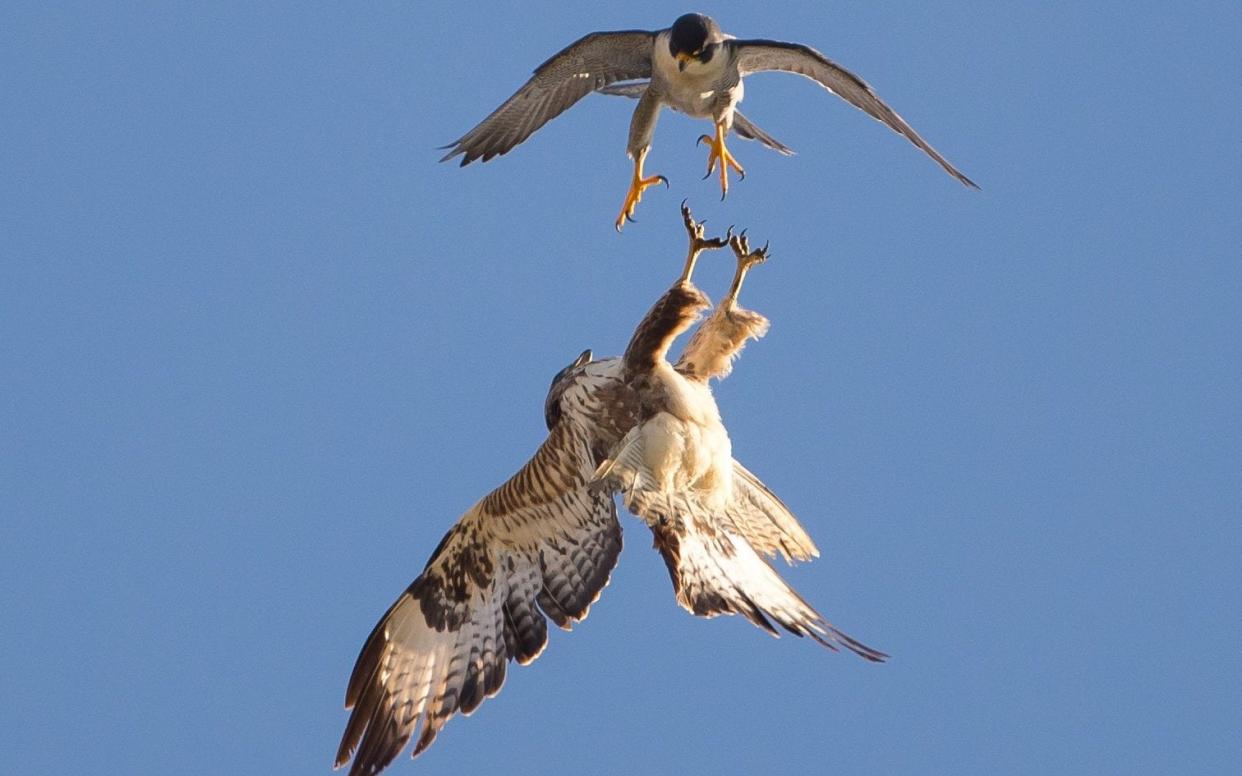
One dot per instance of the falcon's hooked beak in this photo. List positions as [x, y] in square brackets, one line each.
[682, 59]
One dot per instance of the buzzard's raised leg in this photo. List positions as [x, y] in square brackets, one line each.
[720, 155]
[698, 243]
[746, 258]
[637, 185]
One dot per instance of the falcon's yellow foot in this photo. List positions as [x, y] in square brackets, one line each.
[719, 154]
[638, 184]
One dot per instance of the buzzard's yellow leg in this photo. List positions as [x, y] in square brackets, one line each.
[637, 185]
[720, 154]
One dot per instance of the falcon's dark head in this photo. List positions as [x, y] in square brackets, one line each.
[693, 37]
[552, 405]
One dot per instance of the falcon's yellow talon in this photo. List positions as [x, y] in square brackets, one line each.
[720, 154]
[638, 184]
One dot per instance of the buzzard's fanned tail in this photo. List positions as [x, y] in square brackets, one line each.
[717, 572]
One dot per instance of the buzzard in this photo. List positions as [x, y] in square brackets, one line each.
[542, 545]
[692, 67]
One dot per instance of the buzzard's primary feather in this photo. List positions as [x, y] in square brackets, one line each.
[541, 545]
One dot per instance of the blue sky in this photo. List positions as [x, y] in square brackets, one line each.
[258, 350]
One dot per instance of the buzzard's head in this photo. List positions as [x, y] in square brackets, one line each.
[552, 405]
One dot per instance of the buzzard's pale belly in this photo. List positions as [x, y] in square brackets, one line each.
[685, 456]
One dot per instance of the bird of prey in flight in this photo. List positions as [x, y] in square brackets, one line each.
[542, 545]
[691, 67]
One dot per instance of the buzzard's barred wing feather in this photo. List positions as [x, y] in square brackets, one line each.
[542, 544]
[762, 519]
[755, 56]
[589, 63]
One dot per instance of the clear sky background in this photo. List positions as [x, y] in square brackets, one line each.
[258, 350]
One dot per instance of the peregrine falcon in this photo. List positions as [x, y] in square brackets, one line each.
[691, 67]
[542, 545]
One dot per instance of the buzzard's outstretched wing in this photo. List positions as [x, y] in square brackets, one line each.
[585, 65]
[755, 56]
[541, 545]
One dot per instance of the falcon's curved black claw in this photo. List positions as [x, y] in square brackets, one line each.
[665, 180]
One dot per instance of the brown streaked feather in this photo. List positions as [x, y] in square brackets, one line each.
[540, 545]
[672, 314]
[714, 571]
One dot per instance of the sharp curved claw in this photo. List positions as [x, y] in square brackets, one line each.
[741, 175]
[701, 139]
[630, 218]
[706, 175]
[665, 180]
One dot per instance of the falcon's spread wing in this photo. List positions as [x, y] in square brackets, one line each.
[542, 544]
[590, 63]
[754, 56]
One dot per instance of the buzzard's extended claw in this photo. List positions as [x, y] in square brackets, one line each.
[698, 243]
[746, 258]
[741, 249]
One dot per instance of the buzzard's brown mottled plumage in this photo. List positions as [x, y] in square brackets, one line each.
[542, 545]
[709, 516]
